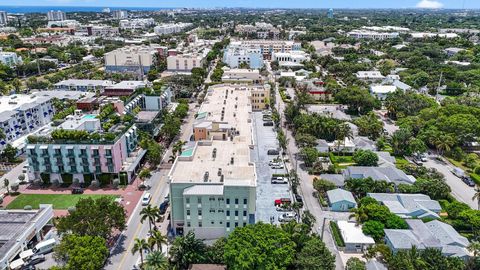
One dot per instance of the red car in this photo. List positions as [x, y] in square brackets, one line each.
[281, 201]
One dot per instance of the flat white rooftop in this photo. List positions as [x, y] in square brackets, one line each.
[351, 233]
[191, 166]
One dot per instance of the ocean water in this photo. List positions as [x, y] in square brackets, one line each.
[45, 9]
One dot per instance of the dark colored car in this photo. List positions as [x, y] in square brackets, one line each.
[36, 259]
[77, 190]
[272, 152]
[163, 207]
[299, 199]
[467, 180]
[268, 124]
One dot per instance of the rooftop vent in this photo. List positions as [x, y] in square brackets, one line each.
[222, 178]
[232, 160]
[219, 171]
[214, 153]
[205, 177]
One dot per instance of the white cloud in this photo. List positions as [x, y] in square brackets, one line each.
[429, 4]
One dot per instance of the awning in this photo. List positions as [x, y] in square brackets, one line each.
[135, 163]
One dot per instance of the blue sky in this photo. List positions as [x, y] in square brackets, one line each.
[257, 3]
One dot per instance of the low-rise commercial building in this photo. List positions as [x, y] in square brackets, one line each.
[124, 88]
[184, 62]
[135, 24]
[290, 59]
[10, 58]
[133, 59]
[365, 34]
[171, 28]
[83, 85]
[236, 75]
[267, 47]
[369, 75]
[259, 30]
[21, 228]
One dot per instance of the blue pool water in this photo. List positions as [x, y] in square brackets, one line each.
[89, 116]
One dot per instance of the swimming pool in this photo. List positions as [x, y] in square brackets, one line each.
[89, 116]
[187, 153]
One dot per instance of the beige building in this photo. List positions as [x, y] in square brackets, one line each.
[185, 62]
[131, 59]
[235, 75]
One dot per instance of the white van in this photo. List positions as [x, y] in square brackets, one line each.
[458, 172]
[44, 246]
[146, 198]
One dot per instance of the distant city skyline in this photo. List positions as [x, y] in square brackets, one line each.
[352, 4]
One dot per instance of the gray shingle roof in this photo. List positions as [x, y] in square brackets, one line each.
[338, 195]
[337, 179]
[403, 239]
[446, 234]
[408, 204]
[389, 174]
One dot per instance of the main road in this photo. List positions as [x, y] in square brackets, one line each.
[121, 256]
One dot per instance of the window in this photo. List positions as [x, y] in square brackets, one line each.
[199, 212]
[228, 224]
[236, 200]
[228, 201]
[188, 224]
[245, 201]
[212, 222]
[244, 213]
[228, 212]
[236, 224]
[236, 213]
[95, 152]
[244, 224]
[188, 212]
[199, 199]
[187, 200]
[199, 224]
[108, 152]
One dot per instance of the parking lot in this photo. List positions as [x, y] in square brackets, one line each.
[266, 138]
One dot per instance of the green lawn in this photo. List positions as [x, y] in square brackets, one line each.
[399, 160]
[59, 201]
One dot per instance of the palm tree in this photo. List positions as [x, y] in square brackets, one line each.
[156, 261]
[177, 147]
[140, 246]
[476, 196]
[172, 158]
[359, 215]
[186, 250]
[6, 184]
[157, 239]
[150, 213]
[342, 132]
[444, 144]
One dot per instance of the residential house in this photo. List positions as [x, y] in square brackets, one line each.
[409, 205]
[340, 200]
[369, 75]
[389, 174]
[353, 237]
[434, 234]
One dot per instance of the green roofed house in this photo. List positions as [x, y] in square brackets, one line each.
[341, 200]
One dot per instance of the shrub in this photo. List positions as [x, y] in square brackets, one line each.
[336, 234]
[95, 184]
[15, 187]
[21, 177]
[71, 209]
[27, 207]
[116, 183]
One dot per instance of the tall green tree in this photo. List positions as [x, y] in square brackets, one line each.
[150, 213]
[259, 246]
[81, 252]
[94, 217]
[186, 250]
[315, 255]
[156, 261]
[140, 245]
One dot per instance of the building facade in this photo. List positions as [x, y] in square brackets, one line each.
[3, 18]
[135, 24]
[58, 15]
[185, 62]
[133, 59]
[10, 58]
[171, 28]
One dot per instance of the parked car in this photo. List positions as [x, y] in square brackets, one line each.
[281, 201]
[299, 199]
[458, 172]
[272, 152]
[268, 124]
[467, 180]
[279, 180]
[287, 217]
[283, 209]
[77, 190]
[44, 247]
[146, 198]
[163, 207]
[36, 259]
[277, 166]
[417, 161]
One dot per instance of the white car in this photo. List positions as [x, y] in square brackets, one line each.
[283, 209]
[279, 180]
[287, 217]
[146, 198]
[277, 166]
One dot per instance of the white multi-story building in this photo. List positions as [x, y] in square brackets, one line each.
[120, 14]
[213, 183]
[135, 24]
[131, 59]
[260, 30]
[290, 59]
[3, 18]
[267, 47]
[83, 85]
[185, 62]
[10, 58]
[22, 114]
[63, 23]
[236, 54]
[171, 28]
[99, 31]
[58, 15]
[365, 34]
[236, 75]
[432, 35]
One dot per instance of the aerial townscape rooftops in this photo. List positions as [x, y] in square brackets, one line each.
[214, 137]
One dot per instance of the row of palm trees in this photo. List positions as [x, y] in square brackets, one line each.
[155, 259]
